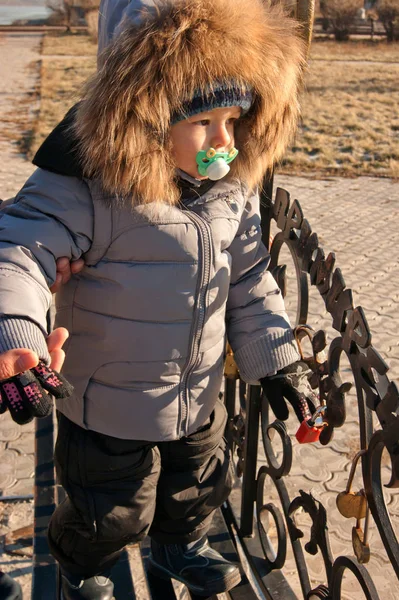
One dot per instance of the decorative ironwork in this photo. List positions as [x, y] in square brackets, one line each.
[376, 395]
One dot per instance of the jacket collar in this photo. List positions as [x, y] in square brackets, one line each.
[191, 188]
[58, 153]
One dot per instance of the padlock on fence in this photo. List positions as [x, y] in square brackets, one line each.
[354, 505]
[309, 431]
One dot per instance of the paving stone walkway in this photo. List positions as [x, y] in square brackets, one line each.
[19, 78]
[357, 218]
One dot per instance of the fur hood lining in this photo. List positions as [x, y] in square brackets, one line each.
[183, 47]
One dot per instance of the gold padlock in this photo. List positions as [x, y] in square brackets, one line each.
[360, 548]
[360, 543]
[350, 504]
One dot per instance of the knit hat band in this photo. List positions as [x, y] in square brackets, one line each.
[220, 96]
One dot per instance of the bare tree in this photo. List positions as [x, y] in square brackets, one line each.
[90, 9]
[63, 11]
[341, 14]
[69, 12]
[388, 13]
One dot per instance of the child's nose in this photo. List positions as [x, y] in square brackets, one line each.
[221, 138]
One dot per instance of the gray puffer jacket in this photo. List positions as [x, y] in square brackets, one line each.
[148, 314]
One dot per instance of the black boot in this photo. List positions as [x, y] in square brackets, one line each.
[9, 588]
[203, 570]
[94, 588]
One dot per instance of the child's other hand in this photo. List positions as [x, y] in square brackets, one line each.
[19, 360]
[65, 269]
[292, 384]
[26, 383]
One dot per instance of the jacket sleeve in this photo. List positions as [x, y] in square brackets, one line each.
[52, 216]
[258, 326]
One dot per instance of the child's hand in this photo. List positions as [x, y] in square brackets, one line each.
[27, 395]
[291, 383]
[24, 381]
[65, 269]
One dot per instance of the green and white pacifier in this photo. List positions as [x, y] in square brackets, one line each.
[213, 164]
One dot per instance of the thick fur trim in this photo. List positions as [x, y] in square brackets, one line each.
[181, 47]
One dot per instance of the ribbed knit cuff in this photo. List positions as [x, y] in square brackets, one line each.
[266, 355]
[21, 333]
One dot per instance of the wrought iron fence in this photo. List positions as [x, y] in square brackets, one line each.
[376, 396]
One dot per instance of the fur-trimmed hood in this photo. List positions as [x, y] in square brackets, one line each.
[155, 63]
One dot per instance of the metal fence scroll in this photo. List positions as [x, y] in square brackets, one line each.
[248, 410]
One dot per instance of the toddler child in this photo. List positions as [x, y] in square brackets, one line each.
[152, 179]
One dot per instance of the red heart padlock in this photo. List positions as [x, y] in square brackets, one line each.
[309, 431]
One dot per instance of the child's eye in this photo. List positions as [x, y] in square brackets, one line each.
[202, 122]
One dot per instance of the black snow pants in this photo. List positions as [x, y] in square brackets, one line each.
[120, 490]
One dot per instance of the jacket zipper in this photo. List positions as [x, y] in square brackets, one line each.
[205, 262]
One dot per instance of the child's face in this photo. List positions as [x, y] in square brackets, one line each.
[211, 129]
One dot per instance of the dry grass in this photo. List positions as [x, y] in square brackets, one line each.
[61, 80]
[350, 111]
[378, 50]
[350, 122]
[61, 83]
[68, 44]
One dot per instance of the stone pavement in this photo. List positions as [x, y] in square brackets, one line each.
[357, 218]
[19, 78]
